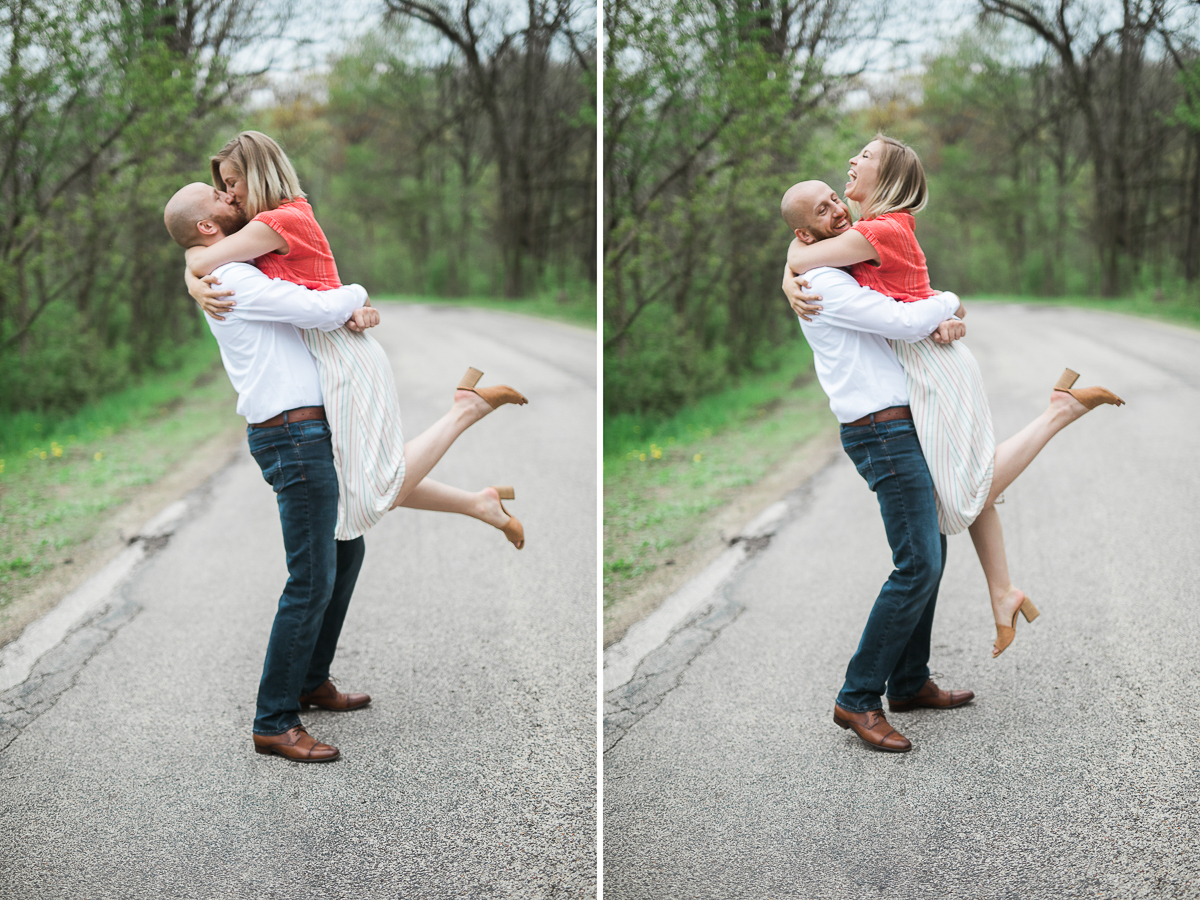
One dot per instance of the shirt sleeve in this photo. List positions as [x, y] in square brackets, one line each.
[263, 299]
[847, 304]
[280, 220]
[869, 228]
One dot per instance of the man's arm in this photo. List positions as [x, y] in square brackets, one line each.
[263, 299]
[849, 305]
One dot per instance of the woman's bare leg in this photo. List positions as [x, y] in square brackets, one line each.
[987, 535]
[424, 451]
[1014, 454]
[433, 495]
[1012, 457]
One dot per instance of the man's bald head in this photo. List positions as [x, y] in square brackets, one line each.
[198, 215]
[814, 211]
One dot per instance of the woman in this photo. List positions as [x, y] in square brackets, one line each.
[377, 470]
[950, 411]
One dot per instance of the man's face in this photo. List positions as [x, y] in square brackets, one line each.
[224, 212]
[827, 214]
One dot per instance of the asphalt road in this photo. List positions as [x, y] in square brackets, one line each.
[472, 772]
[1075, 773]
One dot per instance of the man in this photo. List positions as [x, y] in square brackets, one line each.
[859, 372]
[279, 393]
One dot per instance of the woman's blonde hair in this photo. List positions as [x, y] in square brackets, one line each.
[901, 184]
[269, 176]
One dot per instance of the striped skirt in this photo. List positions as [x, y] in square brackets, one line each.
[954, 425]
[364, 417]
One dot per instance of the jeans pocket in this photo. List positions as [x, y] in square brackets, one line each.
[312, 432]
[860, 454]
[271, 464]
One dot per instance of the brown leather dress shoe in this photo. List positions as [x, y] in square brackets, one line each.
[933, 697]
[873, 728]
[329, 697]
[297, 744]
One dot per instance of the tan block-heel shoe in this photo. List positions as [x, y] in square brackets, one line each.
[512, 528]
[1006, 633]
[1091, 397]
[496, 396]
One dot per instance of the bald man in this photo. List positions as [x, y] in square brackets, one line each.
[849, 333]
[279, 393]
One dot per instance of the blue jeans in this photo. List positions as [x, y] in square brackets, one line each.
[893, 654]
[297, 461]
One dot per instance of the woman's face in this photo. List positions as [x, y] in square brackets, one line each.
[235, 185]
[864, 172]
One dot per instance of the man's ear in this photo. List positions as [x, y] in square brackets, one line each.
[804, 237]
[208, 227]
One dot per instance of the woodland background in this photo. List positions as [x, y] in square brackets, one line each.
[448, 150]
[1061, 140]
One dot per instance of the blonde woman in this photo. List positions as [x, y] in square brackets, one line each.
[377, 471]
[948, 404]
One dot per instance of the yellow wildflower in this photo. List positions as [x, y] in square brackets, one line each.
[99, 456]
[697, 457]
[642, 457]
[43, 454]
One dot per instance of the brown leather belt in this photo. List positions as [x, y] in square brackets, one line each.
[884, 415]
[301, 414]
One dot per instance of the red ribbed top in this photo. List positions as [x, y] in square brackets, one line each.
[901, 273]
[309, 261]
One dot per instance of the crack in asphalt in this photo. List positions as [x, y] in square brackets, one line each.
[662, 671]
[663, 668]
[58, 669]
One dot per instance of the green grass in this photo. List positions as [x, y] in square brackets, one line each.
[575, 308]
[664, 478]
[59, 477]
[1178, 309]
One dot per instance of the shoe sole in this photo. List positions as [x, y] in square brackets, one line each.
[270, 751]
[305, 706]
[909, 707]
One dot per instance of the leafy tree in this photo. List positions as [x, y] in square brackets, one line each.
[104, 106]
[710, 109]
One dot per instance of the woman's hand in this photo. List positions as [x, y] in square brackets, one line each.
[949, 331]
[803, 305]
[366, 316]
[205, 293]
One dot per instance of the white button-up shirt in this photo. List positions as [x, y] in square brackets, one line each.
[854, 363]
[264, 355]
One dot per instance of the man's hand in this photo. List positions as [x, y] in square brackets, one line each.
[949, 331]
[207, 296]
[366, 316]
[803, 305]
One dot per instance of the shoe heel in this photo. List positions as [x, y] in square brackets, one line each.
[840, 724]
[1028, 610]
[512, 528]
[265, 751]
[472, 378]
[1066, 380]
